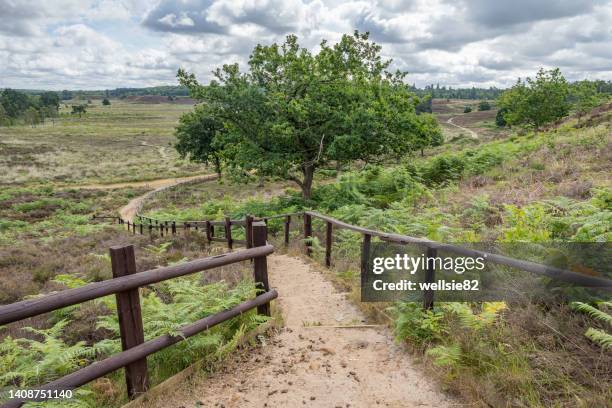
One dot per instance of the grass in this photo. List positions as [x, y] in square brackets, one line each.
[117, 143]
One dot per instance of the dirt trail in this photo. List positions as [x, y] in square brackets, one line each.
[129, 211]
[472, 134]
[312, 362]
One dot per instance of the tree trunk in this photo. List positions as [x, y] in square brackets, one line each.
[306, 185]
[217, 166]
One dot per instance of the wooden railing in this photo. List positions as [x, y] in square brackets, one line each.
[431, 247]
[125, 285]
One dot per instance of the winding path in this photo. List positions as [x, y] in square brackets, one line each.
[129, 211]
[326, 355]
[472, 134]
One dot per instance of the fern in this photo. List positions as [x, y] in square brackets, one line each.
[593, 312]
[600, 337]
[445, 355]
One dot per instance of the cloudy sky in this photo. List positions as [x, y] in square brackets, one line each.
[98, 44]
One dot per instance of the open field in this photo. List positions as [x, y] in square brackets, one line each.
[480, 122]
[110, 144]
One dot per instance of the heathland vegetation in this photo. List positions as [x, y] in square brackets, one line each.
[361, 145]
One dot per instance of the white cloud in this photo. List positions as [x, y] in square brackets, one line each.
[111, 43]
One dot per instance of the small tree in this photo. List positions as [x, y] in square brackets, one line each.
[499, 117]
[106, 102]
[584, 97]
[4, 119]
[467, 109]
[79, 109]
[427, 132]
[536, 102]
[32, 116]
[484, 106]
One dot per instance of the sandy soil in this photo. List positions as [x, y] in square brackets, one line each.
[472, 134]
[129, 211]
[326, 355]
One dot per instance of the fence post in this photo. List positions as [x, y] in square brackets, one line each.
[260, 264]
[208, 232]
[248, 229]
[173, 227]
[141, 227]
[228, 232]
[365, 255]
[308, 233]
[150, 231]
[328, 244]
[186, 228]
[287, 222]
[130, 319]
[430, 276]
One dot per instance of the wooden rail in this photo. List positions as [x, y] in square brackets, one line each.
[125, 284]
[432, 248]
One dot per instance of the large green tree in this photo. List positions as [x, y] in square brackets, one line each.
[536, 102]
[295, 111]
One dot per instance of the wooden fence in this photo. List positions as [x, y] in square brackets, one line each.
[431, 247]
[125, 285]
[126, 281]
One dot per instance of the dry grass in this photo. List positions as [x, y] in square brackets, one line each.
[123, 142]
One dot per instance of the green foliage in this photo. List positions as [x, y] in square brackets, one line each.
[445, 355]
[185, 301]
[536, 102]
[600, 337]
[295, 111]
[79, 110]
[467, 109]
[106, 102]
[484, 106]
[413, 323]
[26, 363]
[584, 96]
[593, 312]
[199, 137]
[500, 121]
[596, 335]
[15, 103]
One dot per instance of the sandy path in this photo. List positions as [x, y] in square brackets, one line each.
[472, 134]
[311, 362]
[129, 211]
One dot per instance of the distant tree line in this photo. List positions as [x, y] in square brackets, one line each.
[442, 92]
[170, 91]
[17, 106]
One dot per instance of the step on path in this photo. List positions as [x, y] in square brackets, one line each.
[310, 362]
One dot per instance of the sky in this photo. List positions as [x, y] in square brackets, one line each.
[105, 44]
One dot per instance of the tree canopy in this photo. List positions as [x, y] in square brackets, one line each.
[295, 111]
[536, 102]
